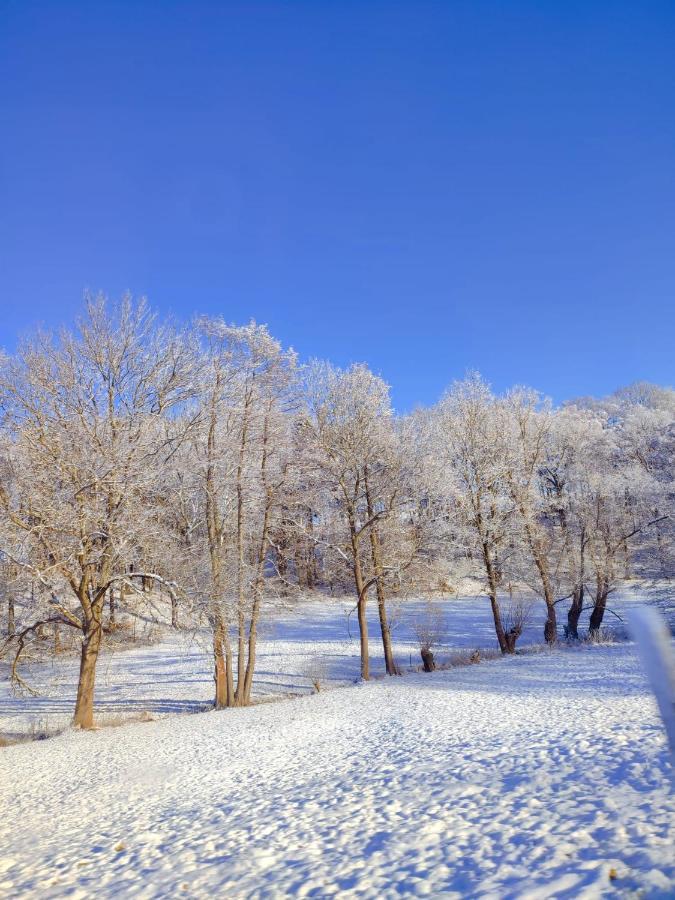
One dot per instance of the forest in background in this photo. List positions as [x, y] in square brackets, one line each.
[206, 462]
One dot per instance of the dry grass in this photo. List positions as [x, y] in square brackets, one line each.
[463, 657]
[115, 720]
[39, 730]
[317, 673]
[616, 634]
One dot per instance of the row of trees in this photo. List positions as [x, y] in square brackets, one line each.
[207, 462]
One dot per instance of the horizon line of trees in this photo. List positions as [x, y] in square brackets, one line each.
[208, 462]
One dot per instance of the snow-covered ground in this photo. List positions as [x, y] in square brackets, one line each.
[542, 776]
[313, 640]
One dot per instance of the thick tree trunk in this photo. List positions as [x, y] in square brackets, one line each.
[574, 612]
[428, 659]
[111, 608]
[576, 608]
[84, 704]
[499, 627]
[174, 612]
[11, 617]
[551, 624]
[389, 661]
[602, 592]
[219, 669]
[492, 580]
[510, 638]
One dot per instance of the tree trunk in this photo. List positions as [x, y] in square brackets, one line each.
[245, 697]
[84, 704]
[363, 634]
[281, 564]
[111, 608]
[361, 602]
[229, 675]
[250, 663]
[174, 611]
[626, 559]
[11, 618]
[496, 613]
[574, 612]
[219, 673]
[660, 548]
[361, 593]
[389, 661]
[576, 608]
[510, 638]
[376, 558]
[310, 553]
[428, 659]
[599, 607]
[499, 628]
[551, 624]
[541, 563]
[241, 620]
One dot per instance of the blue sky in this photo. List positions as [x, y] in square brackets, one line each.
[429, 187]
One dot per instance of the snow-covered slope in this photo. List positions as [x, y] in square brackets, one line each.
[312, 640]
[539, 776]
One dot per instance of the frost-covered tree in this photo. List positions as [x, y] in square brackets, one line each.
[354, 452]
[527, 423]
[606, 502]
[237, 475]
[471, 475]
[85, 413]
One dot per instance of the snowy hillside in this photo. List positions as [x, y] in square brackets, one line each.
[315, 640]
[543, 775]
[536, 776]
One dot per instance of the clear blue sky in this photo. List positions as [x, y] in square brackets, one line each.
[428, 187]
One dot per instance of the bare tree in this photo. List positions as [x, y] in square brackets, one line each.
[430, 627]
[526, 430]
[85, 414]
[353, 450]
[470, 473]
[242, 452]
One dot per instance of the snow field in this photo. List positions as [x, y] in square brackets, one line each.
[527, 777]
[314, 639]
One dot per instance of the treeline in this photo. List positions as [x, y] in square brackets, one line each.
[208, 462]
